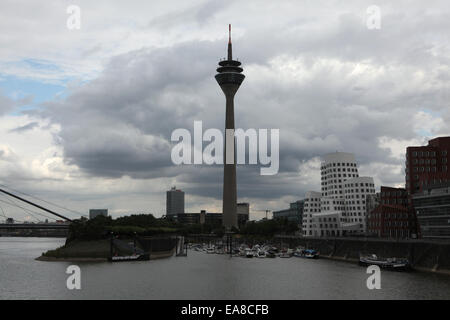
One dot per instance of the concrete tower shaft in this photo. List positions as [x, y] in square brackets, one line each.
[229, 77]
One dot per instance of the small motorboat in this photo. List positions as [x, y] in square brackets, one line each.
[270, 254]
[285, 254]
[249, 253]
[306, 253]
[219, 250]
[311, 254]
[261, 254]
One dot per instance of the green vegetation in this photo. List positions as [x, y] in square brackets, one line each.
[81, 249]
[147, 225]
[100, 227]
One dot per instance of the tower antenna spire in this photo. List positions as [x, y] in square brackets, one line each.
[230, 50]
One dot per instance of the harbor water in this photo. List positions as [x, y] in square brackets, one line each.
[202, 276]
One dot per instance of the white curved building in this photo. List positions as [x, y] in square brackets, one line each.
[336, 169]
[311, 206]
[356, 191]
[340, 208]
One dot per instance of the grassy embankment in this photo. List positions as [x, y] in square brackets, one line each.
[95, 250]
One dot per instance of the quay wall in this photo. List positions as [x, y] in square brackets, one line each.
[423, 255]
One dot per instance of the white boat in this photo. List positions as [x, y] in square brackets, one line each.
[249, 253]
[261, 254]
[285, 254]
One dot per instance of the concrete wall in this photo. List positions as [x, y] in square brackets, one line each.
[423, 255]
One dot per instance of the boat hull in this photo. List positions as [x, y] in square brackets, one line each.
[385, 265]
[141, 257]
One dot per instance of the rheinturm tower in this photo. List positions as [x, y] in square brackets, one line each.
[229, 78]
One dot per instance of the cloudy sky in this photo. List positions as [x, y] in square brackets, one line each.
[86, 115]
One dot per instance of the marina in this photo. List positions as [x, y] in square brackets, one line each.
[255, 251]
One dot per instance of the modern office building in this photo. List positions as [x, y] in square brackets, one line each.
[214, 218]
[432, 208]
[186, 218]
[204, 217]
[229, 78]
[293, 213]
[427, 165]
[174, 202]
[311, 206]
[97, 212]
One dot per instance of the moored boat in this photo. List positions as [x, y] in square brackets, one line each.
[306, 253]
[270, 254]
[261, 254]
[285, 253]
[311, 254]
[135, 257]
[398, 264]
[249, 253]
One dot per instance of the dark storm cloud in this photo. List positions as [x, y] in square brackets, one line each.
[199, 14]
[337, 89]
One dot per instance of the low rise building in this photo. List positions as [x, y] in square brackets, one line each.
[432, 208]
[97, 212]
[393, 196]
[311, 206]
[293, 213]
[391, 221]
[204, 217]
[243, 213]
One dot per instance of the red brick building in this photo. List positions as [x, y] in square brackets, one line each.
[427, 165]
[393, 196]
[392, 221]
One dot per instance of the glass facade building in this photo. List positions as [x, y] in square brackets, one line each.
[294, 213]
[432, 208]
